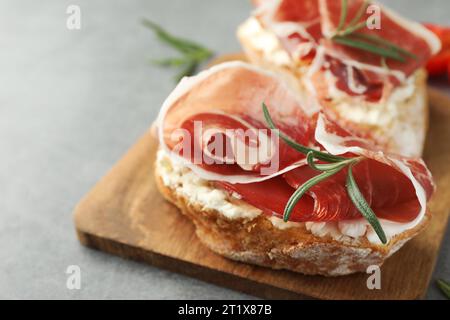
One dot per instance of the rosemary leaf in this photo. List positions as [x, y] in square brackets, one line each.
[170, 62]
[363, 207]
[384, 42]
[300, 192]
[193, 54]
[329, 166]
[445, 287]
[352, 29]
[344, 13]
[366, 46]
[300, 148]
[360, 13]
[182, 45]
[188, 70]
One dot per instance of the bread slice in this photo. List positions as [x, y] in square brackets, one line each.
[234, 229]
[400, 122]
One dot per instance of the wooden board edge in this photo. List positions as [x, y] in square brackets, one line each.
[196, 271]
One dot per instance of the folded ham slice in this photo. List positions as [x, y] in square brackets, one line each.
[229, 96]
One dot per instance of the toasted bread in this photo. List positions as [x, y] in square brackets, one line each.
[234, 229]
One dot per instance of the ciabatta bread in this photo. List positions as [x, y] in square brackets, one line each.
[239, 231]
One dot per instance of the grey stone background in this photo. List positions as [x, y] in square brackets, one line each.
[71, 104]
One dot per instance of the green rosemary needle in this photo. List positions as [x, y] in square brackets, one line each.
[363, 207]
[192, 54]
[329, 166]
[344, 12]
[348, 36]
[362, 10]
[302, 149]
[369, 47]
[376, 39]
[445, 287]
[300, 192]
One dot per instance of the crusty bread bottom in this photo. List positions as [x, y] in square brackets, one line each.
[259, 242]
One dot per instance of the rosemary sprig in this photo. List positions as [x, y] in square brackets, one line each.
[445, 287]
[360, 12]
[344, 13]
[192, 54]
[361, 204]
[300, 192]
[352, 29]
[369, 47]
[335, 165]
[329, 166]
[348, 36]
[376, 39]
[302, 149]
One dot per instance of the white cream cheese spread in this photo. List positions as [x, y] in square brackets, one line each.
[181, 179]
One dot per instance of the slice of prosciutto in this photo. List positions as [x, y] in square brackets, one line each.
[312, 23]
[222, 107]
[229, 96]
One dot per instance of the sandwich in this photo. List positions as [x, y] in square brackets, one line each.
[268, 179]
[356, 60]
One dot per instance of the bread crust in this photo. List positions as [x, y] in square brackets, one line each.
[258, 241]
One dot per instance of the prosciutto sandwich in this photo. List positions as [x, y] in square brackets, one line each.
[356, 60]
[268, 180]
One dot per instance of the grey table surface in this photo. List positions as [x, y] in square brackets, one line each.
[71, 104]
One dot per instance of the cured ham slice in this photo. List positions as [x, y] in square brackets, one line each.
[387, 191]
[408, 35]
[270, 196]
[305, 29]
[229, 96]
[297, 23]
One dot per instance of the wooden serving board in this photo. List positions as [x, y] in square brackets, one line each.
[125, 215]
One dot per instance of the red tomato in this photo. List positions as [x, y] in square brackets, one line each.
[440, 63]
[448, 72]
